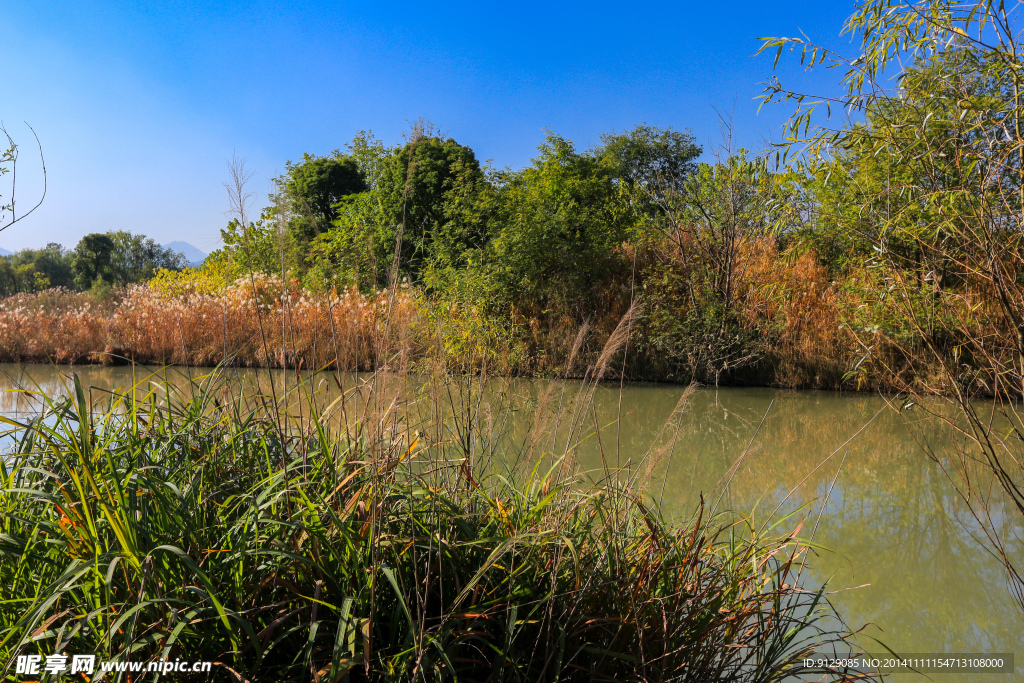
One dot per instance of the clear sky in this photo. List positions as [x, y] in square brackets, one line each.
[139, 104]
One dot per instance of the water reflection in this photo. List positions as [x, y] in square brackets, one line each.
[893, 526]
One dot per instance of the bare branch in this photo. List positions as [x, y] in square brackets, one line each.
[11, 155]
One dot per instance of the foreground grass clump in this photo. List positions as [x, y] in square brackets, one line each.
[214, 528]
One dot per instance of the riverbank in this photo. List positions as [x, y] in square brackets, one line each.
[800, 333]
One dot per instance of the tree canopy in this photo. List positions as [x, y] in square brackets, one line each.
[313, 187]
[120, 258]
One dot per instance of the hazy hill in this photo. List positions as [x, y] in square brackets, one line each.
[193, 255]
[4, 252]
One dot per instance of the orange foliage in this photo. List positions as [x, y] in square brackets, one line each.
[789, 296]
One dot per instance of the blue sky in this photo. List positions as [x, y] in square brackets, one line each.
[139, 104]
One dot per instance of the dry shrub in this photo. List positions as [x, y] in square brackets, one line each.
[252, 322]
[761, 317]
[56, 326]
[567, 338]
[789, 297]
[259, 322]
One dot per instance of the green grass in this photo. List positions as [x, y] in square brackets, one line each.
[205, 527]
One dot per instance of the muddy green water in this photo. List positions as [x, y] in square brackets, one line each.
[898, 545]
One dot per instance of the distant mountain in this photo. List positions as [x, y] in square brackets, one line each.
[4, 252]
[193, 255]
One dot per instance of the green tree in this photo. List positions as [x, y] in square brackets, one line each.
[8, 277]
[556, 227]
[313, 187]
[414, 192]
[31, 270]
[896, 176]
[257, 248]
[358, 248]
[651, 158]
[93, 259]
[692, 320]
[120, 258]
[54, 262]
[371, 156]
[136, 258]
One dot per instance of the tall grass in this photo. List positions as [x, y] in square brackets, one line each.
[193, 328]
[342, 543]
